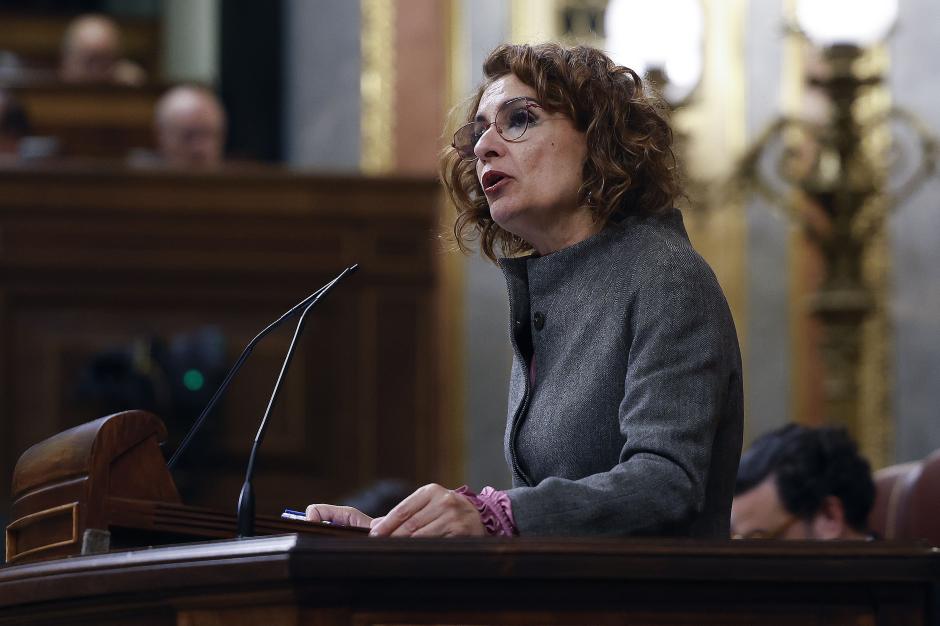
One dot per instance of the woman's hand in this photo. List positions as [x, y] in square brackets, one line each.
[338, 515]
[431, 511]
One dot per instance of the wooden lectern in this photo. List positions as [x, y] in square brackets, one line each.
[304, 580]
[108, 476]
[105, 485]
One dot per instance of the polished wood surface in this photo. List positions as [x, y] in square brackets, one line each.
[62, 486]
[93, 258]
[295, 579]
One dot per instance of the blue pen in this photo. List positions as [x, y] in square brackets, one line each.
[299, 515]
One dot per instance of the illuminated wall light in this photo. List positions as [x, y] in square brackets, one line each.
[665, 35]
[857, 22]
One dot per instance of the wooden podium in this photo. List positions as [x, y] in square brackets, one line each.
[107, 478]
[314, 580]
[105, 485]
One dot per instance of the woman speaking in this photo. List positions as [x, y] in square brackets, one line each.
[625, 398]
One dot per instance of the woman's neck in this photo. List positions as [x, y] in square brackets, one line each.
[563, 234]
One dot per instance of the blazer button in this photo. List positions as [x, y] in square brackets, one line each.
[539, 320]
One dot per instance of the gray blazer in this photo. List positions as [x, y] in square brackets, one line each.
[633, 424]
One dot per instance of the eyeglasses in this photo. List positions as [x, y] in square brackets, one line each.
[512, 120]
[775, 533]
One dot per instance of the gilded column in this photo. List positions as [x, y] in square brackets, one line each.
[377, 85]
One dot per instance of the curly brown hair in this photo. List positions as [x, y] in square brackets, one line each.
[630, 166]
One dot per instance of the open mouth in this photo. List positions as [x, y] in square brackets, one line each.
[492, 178]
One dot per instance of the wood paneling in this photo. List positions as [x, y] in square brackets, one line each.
[99, 121]
[93, 259]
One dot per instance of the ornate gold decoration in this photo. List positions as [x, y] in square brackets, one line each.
[837, 170]
[801, 257]
[567, 21]
[581, 21]
[377, 86]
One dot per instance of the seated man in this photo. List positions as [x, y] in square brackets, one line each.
[802, 483]
[190, 127]
[91, 53]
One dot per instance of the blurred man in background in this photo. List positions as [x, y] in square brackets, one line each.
[91, 53]
[803, 483]
[190, 127]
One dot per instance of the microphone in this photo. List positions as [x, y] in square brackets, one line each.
[241, 360]
[246, 499]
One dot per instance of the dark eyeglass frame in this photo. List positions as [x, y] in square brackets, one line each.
[466, 151]
[775, 533]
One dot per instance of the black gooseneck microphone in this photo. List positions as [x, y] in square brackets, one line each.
[246, 499]
[241, 360]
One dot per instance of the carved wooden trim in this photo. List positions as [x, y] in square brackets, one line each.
[15, 529]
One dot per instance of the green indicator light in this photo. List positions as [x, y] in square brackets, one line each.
[193, 380]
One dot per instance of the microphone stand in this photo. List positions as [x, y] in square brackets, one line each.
[246, 499]
[238, 364]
